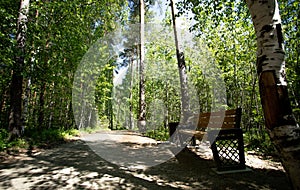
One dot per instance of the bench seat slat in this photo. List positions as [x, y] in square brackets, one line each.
[217, 120]
[220, 113]
[228, 119]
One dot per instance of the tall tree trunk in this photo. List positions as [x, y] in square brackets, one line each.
[109, 107]
[166, 120]
[142, 101]
[41, 105]
[185, 106]
[26, 103]
[280, 122]
[131, 119]
[16, 91]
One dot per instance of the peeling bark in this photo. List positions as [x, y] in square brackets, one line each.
[280, 122]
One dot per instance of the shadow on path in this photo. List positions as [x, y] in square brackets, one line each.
[75, 166]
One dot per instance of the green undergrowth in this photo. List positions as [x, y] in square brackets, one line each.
[159, 135]
[93, 129]
[258, 142]
[46, 138]
[42, 138]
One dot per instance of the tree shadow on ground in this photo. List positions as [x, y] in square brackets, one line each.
[75, 166]
[198, 173]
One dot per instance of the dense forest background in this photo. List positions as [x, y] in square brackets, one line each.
[60, 33]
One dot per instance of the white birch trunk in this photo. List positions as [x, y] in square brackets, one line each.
[280, 122]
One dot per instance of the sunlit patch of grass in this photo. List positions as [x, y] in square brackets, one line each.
[70, 133]
[161, 134]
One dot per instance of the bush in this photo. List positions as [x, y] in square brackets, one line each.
[45, 138]
[3, 139]
[259, 141]
[160, 134]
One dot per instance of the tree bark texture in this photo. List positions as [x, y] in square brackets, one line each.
[131, 117]
[185, 106]
[16, 91]
[280, 122]
[142, 100]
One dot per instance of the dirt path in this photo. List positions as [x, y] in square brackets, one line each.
[75, 166]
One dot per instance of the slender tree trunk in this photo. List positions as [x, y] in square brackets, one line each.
[109, 102]
[51, 105]
[185, 106]
[41, 111]
[167, 107]
[16, 91]
[280, 122]
[131, 120]
[26, 102]
[142, 109]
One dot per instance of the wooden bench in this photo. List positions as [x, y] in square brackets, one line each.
[220, 120]
[225, 136]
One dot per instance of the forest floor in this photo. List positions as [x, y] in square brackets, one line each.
[80, 164]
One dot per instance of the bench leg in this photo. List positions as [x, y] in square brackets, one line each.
[193, 141]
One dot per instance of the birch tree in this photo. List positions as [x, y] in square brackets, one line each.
[283, 129]
[279, 120]
[15, 118]
[182, 70]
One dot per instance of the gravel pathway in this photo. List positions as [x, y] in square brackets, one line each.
[77, 165]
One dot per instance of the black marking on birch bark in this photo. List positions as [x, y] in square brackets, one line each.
[288, 140]
[263, 2]
[260, 63]
[284, 120]
[279, 35]
[283, 75]
[266, 29]
[181, 60]
[279, 51]
[272, 45]
[277, 79]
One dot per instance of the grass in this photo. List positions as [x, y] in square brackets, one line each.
[34, 138]
[159, 135]
[42, 138]
[258, 141]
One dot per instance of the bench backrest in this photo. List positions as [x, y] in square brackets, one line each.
[226, 119]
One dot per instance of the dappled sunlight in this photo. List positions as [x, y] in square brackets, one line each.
[75, 166]
[129, 150]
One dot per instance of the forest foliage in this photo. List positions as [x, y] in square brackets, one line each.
[60, 33]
